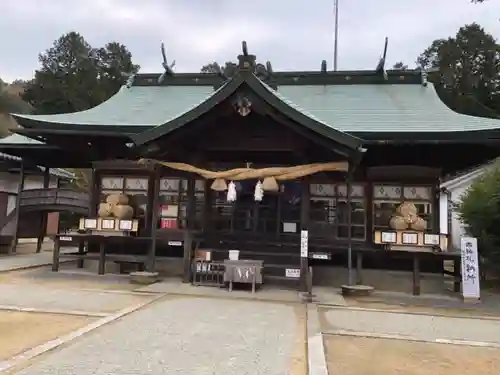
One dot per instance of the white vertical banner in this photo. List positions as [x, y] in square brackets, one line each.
[470, 268]
[304, 245]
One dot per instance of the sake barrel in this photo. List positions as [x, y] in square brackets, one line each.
[420, 224]
[105, 210]
[398, 223]
[406, 209]
[123, 211]
[411, 219]
[117, 199]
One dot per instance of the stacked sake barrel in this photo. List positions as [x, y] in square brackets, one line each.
[406, 217]
[116, 205]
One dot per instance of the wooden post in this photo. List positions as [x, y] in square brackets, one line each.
[102, 258]
[457, 275]
[81, 250]
[151, 263]
[20, 188]
[208, 225]
[359, 268]
[56, 254]
[190, 221]
[43, 223]
[349, 224]
[416, 274]
[304, 224]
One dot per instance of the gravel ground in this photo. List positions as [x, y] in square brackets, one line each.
[184, 336]
[354, 356]
[39, 297]
[420, 327]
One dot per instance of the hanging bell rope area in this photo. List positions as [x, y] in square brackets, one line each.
[267, 178]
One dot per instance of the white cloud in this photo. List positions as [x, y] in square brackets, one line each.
[293, 34]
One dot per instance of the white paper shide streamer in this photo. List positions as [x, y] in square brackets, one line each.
[231, 192]
[259, 192]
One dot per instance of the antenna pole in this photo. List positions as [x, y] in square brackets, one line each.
[336, 37]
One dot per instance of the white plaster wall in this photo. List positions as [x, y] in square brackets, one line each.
[457, 227]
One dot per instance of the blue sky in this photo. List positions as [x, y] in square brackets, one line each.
[293, 34]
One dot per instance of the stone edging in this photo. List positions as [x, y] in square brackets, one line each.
[316, 356]
[89, 314]
[51, 345]
[390, 311]
[481, 344]
[33, 266]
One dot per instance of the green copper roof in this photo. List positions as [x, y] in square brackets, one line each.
[18, 139]
[364, 110]
[382, 108]
[134, 106]
[345, 143]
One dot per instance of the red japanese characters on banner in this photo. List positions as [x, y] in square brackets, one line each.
[168, 223]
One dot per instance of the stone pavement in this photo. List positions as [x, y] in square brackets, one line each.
[427, 328]
[45, 298]
[22, 261]
[184, 336]
[264, 293]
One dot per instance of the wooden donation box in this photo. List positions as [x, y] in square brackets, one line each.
[243, 271]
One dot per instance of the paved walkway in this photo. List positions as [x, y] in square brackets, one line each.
[15, 262]
[184, 336]
[47, 298]
[411, 326]
[27, 260]
[264, 292]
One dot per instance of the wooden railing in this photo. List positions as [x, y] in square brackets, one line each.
[56, 199]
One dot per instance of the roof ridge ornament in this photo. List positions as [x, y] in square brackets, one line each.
[168, 68]
[380, 69]
[130, 79]
[246, 61]
[423, 76]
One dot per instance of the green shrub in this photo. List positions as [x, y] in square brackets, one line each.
[479, 209]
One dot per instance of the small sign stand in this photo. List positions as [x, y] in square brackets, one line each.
[304, 256]
[471, 291]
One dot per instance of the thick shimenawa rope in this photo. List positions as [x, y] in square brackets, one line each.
[238, 174]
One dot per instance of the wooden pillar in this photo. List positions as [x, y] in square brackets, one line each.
[43, 222]
[457, 274]
[359, 267]
[94, 193]
[369, 212]
[207, 207]
[416, 274]
[153, 206]
[56, 254]
[20, 188]
[102, 258]
[304, 225]
[349, 224]
[188, 240]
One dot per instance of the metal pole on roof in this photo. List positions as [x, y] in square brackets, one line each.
[336, 37]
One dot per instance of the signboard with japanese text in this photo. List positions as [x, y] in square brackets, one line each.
[470, 268]
[304, 245]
